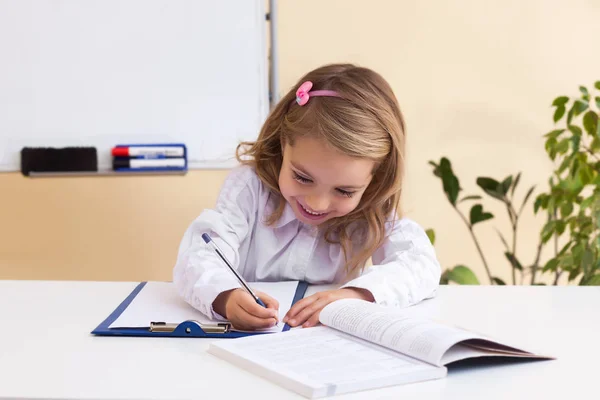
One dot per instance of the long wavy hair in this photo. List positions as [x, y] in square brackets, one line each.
[366, 122]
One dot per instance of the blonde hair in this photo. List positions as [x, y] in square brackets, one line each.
[366, 123]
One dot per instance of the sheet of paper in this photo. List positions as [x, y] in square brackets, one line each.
[160, 302]
[322, 357]
[419, 338]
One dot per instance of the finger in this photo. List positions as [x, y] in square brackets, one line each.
[250, 306]
[299, 306]
[269, 301]
[313, 320]
[247, 321]
[308, 312]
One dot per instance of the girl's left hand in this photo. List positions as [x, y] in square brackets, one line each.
[306, 311]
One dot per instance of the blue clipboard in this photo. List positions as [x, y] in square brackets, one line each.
[184, 329]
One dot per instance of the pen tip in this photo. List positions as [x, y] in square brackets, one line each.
[206, 237]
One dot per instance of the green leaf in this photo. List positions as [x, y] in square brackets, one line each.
[551, 265]
[597, 85]
[575, 130]
[474, 197]
[586, 261]
[550, 144]
[515, 183]
[597, 98]
[580, 106]
[550, 207]
[498, 281]
[585, 93]
[566, 163]
[463, 276]
[548, 231]
[570, 116]
[585, 174]
[449, 181]
[587, 202]
[564, 249]
[560, 226]
[540, 201]
[491, 187]
[436, 169]
[574, 170]
[527, 196]
[575, 141]
[477, 215]
[506, 184]
[513, 261]
[431, 235]
[573, 274]
[566, 209]
[444, 277]
[554, 134]
[559, 113]
[560, 101]
[563, 146]
[593, 281]
[590, 122]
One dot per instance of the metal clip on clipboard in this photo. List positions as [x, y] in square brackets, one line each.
[191, 328]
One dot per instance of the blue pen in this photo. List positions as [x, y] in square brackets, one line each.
[216, 248]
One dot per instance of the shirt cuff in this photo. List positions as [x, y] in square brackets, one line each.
[205, 295]
[382, 294]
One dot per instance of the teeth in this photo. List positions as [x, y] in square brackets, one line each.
[310, 212]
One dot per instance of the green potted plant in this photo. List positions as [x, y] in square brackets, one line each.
[571, 204]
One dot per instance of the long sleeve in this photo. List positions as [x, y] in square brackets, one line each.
[405, 268]
[199, 275]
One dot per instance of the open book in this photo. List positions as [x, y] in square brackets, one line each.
[362, 346]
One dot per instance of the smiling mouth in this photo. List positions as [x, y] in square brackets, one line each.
[311, 214]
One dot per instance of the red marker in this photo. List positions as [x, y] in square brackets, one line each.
[148, 151]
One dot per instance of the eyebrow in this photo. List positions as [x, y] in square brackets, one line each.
[300, 169]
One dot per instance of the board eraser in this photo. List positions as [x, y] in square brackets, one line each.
[66, 159]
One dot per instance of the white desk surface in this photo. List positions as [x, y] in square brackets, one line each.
[46, 350]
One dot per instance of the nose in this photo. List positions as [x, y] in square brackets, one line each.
[317, 203]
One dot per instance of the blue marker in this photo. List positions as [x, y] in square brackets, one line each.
[216, 248]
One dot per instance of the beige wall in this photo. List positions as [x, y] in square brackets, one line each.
[474, 79]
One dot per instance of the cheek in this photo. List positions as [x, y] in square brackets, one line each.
[345, 206]
[287, 186]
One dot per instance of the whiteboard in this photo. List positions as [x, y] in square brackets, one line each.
[104, 72]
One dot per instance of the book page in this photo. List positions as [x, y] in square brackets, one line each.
[323, 361]
[160, 302]
[419, 338]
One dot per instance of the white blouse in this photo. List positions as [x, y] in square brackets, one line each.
[405, 269]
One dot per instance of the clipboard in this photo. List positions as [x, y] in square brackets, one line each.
[190, 328]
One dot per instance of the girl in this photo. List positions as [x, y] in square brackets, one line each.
[315, 198]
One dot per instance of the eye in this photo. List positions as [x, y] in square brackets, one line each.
[300, 178]
[345, 193]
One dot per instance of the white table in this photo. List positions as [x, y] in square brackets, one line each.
[46, 350]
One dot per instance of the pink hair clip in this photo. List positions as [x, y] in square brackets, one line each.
[303, 93]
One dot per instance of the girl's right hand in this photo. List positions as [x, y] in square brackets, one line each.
[244, 313]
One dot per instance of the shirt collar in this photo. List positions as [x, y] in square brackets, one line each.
[287, 216]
